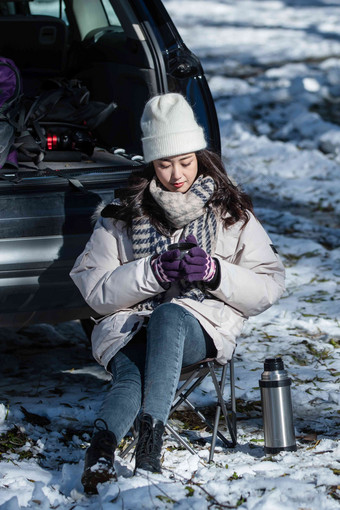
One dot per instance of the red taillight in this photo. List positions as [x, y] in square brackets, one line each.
[52, 141]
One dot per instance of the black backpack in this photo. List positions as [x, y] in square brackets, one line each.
[61, 118]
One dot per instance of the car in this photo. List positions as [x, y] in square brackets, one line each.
[123, 52]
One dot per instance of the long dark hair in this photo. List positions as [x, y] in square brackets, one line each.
[136, 199]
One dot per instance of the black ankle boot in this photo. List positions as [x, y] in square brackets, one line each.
[99, 460]
[149, 445]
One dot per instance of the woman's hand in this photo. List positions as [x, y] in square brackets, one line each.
[197, 266]
[166, 267]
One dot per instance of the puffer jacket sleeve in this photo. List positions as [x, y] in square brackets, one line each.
[255, 278]
[105, 282]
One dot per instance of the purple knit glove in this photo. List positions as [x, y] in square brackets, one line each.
[189, 239]
[166, 267]
[198, 266]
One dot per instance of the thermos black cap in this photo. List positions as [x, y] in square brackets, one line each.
[271, 364]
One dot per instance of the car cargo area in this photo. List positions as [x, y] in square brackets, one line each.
[81, 72]
[48, 200]
[82, 47]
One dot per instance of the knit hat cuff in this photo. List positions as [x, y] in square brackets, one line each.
[173, 144]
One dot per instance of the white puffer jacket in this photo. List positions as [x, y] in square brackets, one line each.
[111, 281]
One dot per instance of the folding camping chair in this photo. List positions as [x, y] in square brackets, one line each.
[192, 376]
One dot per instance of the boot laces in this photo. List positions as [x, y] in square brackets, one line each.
[147, 440]
[103, 426]
[103, 441]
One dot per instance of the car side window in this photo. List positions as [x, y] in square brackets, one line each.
[112, 16]
[48, 8]
[93, 15]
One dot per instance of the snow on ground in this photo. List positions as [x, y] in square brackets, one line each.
[273, 68]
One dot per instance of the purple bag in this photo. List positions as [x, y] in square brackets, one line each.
[11, 111]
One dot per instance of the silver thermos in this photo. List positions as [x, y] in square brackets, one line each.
[277, 407]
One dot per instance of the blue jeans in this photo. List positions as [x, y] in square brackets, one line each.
[145, 373]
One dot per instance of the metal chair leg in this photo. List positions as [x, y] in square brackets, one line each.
[233, 397]
[187, 388]
[180, 439]
[219, 386]
[215, 431]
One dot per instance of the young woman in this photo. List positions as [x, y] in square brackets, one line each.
[159, 311]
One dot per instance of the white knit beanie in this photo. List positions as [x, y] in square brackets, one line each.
[169, 128]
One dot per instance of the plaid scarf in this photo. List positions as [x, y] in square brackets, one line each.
[182, 210]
